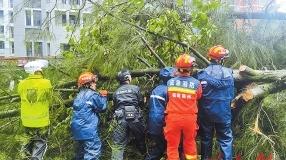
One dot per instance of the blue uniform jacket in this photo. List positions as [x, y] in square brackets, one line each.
[157, 104]
[85, 119]
[218, 91]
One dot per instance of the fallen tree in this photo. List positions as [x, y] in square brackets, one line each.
[113, 41]
[243, 76]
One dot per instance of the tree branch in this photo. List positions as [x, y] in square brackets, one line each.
[195, 52]
[144, 61]
[161, 62]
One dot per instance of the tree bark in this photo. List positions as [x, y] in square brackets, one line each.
[9, 97]
[253, 91]
[16, 112]
[9, 113]
[246, 74]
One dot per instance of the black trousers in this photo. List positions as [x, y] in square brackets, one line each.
[37, 145]
[121, 134]
[157, 148]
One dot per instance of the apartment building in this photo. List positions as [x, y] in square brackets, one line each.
[260, 6]
[6, 41]
[37, 28]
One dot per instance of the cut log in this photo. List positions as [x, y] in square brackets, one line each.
[253, 91]
[16, 112]
[246, 74]
[9, 113]
[9, 97]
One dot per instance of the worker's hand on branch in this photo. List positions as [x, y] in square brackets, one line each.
[103, 93]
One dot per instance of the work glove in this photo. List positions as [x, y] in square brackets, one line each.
[103, 93]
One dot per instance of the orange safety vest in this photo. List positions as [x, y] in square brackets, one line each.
[183, 93]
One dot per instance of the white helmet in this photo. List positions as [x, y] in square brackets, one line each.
[37, 65]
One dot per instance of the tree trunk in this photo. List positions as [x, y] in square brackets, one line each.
[9, 113]
[246, 74]
[253, 91]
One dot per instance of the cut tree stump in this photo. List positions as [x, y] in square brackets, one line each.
[253, 91]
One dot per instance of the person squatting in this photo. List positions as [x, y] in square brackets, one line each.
[178, 107]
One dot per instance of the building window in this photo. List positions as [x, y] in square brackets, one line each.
[2, 45]
[64, 1]
[61, 18]
[49, 49]
[11, 4]
[64, 18]
[28, 18]
[64, 47]
[1, 3]
[11, 32]
[1, 17]
[38, 49]
[37, 18]
[12, 48]
[48, 21]
[1, 29]
[29, 49]
[73, 19]
[33, 18]
[11, 17]
[75, 2]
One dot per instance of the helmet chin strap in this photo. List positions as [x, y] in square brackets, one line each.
[221, 61]
[218, 61]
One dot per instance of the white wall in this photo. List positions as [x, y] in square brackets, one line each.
[59, 33]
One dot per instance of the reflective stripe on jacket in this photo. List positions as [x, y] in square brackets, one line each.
[218, 91]
[157, 104]
[183, 93]
[85, 119]
[35, 94]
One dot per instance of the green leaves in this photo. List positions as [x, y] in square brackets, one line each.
[201, 20]
[206, 6]
[180, 3]
[137, 2]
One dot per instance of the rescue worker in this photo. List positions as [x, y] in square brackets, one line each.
[215, 110]
[157, 105]
[181, 112]
[127, 101]
[86, 106]
[35, 93]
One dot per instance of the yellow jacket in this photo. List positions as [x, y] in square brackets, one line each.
[35, 94]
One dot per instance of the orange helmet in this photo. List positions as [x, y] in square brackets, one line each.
[86, 77]
[185, 61]
[218, 52]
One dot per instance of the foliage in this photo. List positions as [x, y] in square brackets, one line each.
[270, 136]
[256, 43]
[108, 43]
